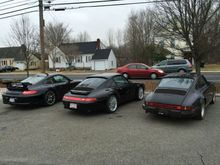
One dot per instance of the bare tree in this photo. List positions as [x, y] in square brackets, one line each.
[55, 35]
[71, 54]
[139, 33]
[83, 37]
[190, 20]
[24, 34]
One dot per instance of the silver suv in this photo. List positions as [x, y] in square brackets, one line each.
[170, 66]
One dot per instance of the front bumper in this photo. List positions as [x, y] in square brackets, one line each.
[170, 112]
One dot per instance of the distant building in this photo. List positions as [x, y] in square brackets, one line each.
[82, 55]
[13, 56]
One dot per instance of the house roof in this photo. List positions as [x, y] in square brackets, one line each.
[81, 47]
[12, 52]
[101, 54]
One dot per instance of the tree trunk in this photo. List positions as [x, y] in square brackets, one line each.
[27, 70]
[197, 67]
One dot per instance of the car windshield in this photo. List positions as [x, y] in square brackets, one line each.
[33, 79]
[92, 82]
[182, 83]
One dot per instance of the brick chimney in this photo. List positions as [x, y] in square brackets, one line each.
[98, 44]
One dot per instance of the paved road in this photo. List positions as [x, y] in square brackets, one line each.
[212, 76]
[52, 135]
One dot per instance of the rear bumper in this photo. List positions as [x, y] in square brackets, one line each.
[170, 112]
[15, 100]
[84, 106]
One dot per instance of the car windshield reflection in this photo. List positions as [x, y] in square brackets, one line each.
[182, 83]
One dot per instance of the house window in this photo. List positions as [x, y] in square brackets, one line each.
[78, 59]
[112, 63]
[87, 58]
[58, 60]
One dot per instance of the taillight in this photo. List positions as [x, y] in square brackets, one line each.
[168, 106]
[29, 92]
[81, 99]
[190, 65]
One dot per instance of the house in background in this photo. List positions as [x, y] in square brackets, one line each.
[82, 55]
[13, 56]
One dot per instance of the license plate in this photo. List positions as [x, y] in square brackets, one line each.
[73, 105]
[12, 100]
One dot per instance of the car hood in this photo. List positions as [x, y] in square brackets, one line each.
[168, 96]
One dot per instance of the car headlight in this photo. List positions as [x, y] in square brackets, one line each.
[160, 71]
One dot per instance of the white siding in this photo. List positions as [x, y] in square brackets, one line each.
[62, 63]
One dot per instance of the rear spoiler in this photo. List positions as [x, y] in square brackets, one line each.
[79, 92]
[12, 85]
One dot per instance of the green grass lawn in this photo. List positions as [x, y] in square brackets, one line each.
[211, 67]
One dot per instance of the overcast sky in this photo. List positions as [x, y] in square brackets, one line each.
[96, 21]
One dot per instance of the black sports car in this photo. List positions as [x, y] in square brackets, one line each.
[103, 91]
[40, 88]
[181, 95]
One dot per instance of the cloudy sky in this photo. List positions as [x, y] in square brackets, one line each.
[95, 21]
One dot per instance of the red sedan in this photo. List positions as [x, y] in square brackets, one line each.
[139, 70]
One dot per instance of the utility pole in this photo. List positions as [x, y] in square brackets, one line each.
[42, 46]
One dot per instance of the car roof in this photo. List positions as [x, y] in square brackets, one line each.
[104, 75]
[182, 75]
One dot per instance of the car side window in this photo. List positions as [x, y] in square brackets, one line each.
[162, 63]
[132, 66]
[59, 79]
[49, 81]
[141, 67]
[120, 81]
[201, 83]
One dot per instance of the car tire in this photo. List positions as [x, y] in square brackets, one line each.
[50, 98]
[112, 104]
[182, 71]
[153, 76]
[125, 75]
[201, 112]
[140, 93]
[213, 99]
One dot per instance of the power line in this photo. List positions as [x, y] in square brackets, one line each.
[18, 10]
[6, 1]
[18, 14]
[12, 7]
[14, 3]
[109, 5]
[76, 3]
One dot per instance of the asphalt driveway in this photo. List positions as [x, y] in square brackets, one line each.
[52, 135]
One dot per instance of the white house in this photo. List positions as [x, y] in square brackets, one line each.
[13, 56]
[83, 55]
[104, 59]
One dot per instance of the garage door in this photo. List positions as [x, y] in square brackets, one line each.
[99, 65]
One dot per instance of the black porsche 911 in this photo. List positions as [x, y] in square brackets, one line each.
[181, 95]
[103, 91]
[40, 88]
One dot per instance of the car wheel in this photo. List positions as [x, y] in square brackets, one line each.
[202, 111]
[182, 71]
[125, 75]
[49, 98]
[140, 93]
[112, 104]
[153, 76]
[213, 99]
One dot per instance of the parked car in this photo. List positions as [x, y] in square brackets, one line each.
[8, 68]
[40, 88]
[181, 95]
[139, 70]
[103, 91]
[175, 65]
